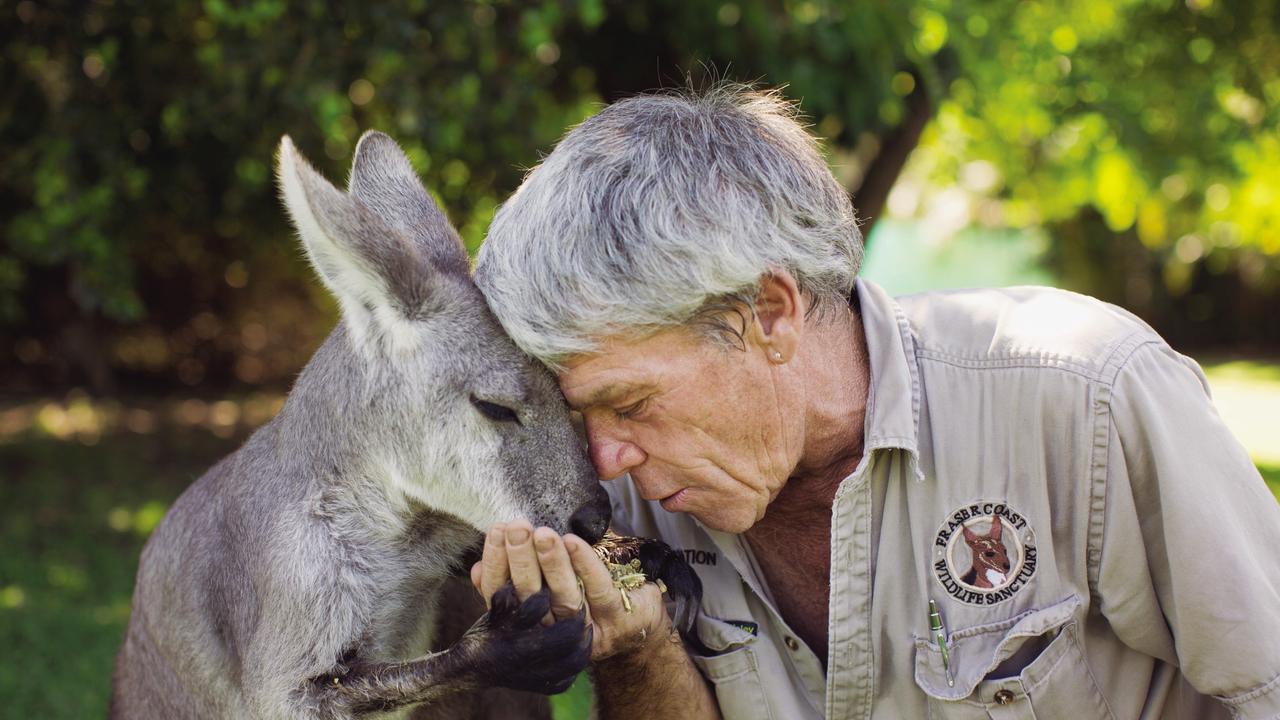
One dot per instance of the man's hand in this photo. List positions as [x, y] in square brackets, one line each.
[531, 558]
[640, 668]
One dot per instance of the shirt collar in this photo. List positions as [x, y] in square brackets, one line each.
[893, 398]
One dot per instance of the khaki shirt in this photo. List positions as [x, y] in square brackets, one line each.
[1047, 470]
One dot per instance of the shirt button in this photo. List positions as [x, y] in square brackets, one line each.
[792, 644]
[1004, 697]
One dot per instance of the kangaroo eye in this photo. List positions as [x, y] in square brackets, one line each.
[989, 553]
[494, 411]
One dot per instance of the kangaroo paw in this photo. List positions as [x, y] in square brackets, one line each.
[660, 562]
[510, 647]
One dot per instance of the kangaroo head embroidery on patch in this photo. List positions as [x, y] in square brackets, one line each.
[990, 558]
[984, 553]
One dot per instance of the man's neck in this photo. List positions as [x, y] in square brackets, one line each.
[839, 375]
[792, 547]
[792, 541]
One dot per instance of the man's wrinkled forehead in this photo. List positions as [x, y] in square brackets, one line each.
[624, 367]
[594, 392]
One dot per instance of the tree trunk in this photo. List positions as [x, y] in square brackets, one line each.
[895, 147]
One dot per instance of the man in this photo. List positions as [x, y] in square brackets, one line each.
[973, 504]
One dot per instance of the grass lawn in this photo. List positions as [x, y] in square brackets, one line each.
[73, 518]
[1248, 398]
[82, 484]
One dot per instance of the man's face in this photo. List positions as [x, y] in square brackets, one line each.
[704, 429]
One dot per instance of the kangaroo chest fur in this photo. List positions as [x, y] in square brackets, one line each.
[403, 556]
[413, 572]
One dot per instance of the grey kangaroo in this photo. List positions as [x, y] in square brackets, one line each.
[300, 577]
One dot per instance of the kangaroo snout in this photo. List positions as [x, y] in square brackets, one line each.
[591, 519]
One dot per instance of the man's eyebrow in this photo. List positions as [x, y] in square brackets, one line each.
[606, 393]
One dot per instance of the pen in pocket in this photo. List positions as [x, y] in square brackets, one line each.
[940, 637]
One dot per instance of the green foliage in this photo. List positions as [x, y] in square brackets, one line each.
[137, 141]
[137, 181]
[838, 59]
[142, 141]
[1159, 116]
[145, 137]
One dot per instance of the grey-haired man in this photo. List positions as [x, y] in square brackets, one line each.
[992, 503]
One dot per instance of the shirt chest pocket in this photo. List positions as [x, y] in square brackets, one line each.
[730, 665]
[1025, 668]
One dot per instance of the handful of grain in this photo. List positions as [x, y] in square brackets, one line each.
[626, 576]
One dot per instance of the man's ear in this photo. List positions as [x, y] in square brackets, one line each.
[779, 317]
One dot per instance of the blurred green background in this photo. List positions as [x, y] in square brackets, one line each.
[154, 307]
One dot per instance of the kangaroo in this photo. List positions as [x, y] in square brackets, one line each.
[990, 557]
[300, 577]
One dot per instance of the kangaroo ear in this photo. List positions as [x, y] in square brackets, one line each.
[380, 278]
[996, 528]
[969, 535]
[383, 179]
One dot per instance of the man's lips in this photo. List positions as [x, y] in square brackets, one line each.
[656, 496]
[675, 500]
[666, 497]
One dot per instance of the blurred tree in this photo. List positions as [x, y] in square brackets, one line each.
[142, 232]
[861, 72]
[1142, 133]
[141, 227]
[143, 239]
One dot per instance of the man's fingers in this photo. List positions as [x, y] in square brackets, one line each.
[557, 572]
[494, 571]
[617, 628]
[525, 572]
[597, 583]
[476, 570]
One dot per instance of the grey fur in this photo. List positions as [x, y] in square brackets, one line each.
[662, 210]
[318, 550]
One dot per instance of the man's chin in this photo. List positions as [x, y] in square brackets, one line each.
[721, 522]
[721, 519]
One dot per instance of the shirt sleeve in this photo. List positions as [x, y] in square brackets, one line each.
[1189, 569]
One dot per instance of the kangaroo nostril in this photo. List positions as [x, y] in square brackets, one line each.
[591, 520]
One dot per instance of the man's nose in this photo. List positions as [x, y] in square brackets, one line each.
[612, 455]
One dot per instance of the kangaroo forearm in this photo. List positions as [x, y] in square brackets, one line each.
[659, 680]
[386, 686]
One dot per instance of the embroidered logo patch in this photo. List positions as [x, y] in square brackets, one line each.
[984, 553]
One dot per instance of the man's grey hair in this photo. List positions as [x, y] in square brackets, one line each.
[667, 209]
